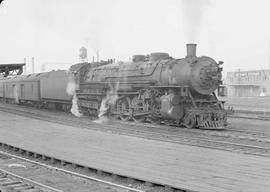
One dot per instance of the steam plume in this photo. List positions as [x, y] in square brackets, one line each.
[109, 100]
[192, 16]
[71, 90]
[111, 96]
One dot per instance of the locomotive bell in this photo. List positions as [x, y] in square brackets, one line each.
[191, 50]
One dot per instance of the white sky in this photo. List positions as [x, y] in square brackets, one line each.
[235, 31]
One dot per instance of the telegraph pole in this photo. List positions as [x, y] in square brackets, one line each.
[33, 65]
[24, 67]
[97, 55]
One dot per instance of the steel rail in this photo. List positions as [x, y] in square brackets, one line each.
[31, 181]
[73, 173]
[34, 115]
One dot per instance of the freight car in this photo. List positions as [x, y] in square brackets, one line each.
[155, 88]
[40, 90]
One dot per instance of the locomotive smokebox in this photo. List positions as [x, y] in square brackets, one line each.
[191, 50]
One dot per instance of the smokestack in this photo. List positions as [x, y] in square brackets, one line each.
[191, 50]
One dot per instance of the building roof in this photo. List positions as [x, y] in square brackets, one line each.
[11, 68]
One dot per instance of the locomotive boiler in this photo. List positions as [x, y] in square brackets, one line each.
[155, 88]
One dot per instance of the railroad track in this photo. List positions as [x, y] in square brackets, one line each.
[20, 158]
[74, 170]
[11, 182]
[248, 116]
[229, 140]
[245, 114]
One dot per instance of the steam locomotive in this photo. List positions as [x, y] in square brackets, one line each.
[154, 88]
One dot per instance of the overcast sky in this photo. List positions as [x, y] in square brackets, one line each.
[234, 31]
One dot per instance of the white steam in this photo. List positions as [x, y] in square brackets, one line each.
[107, 102]
[111, 95]
[71, 90]
[193, 11]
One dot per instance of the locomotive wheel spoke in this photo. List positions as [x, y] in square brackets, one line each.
[123, 108]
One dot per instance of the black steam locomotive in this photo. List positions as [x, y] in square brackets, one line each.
[155, 88]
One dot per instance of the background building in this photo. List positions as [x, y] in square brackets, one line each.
[248, 83]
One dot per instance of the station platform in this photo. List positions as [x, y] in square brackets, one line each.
[181, 166]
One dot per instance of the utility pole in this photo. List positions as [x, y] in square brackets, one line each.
[239, 82]
[239, 76]
[24, 67]
[97, 55]
[33, 65]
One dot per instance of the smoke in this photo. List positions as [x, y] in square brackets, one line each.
[193, 11]
[107, 102]
[71, 90]
[16, 94]
[112, 94]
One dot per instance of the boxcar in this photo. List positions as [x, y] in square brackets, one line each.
[28, 87]
[53, 87]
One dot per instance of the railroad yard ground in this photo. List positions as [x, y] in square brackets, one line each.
[232, 160]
